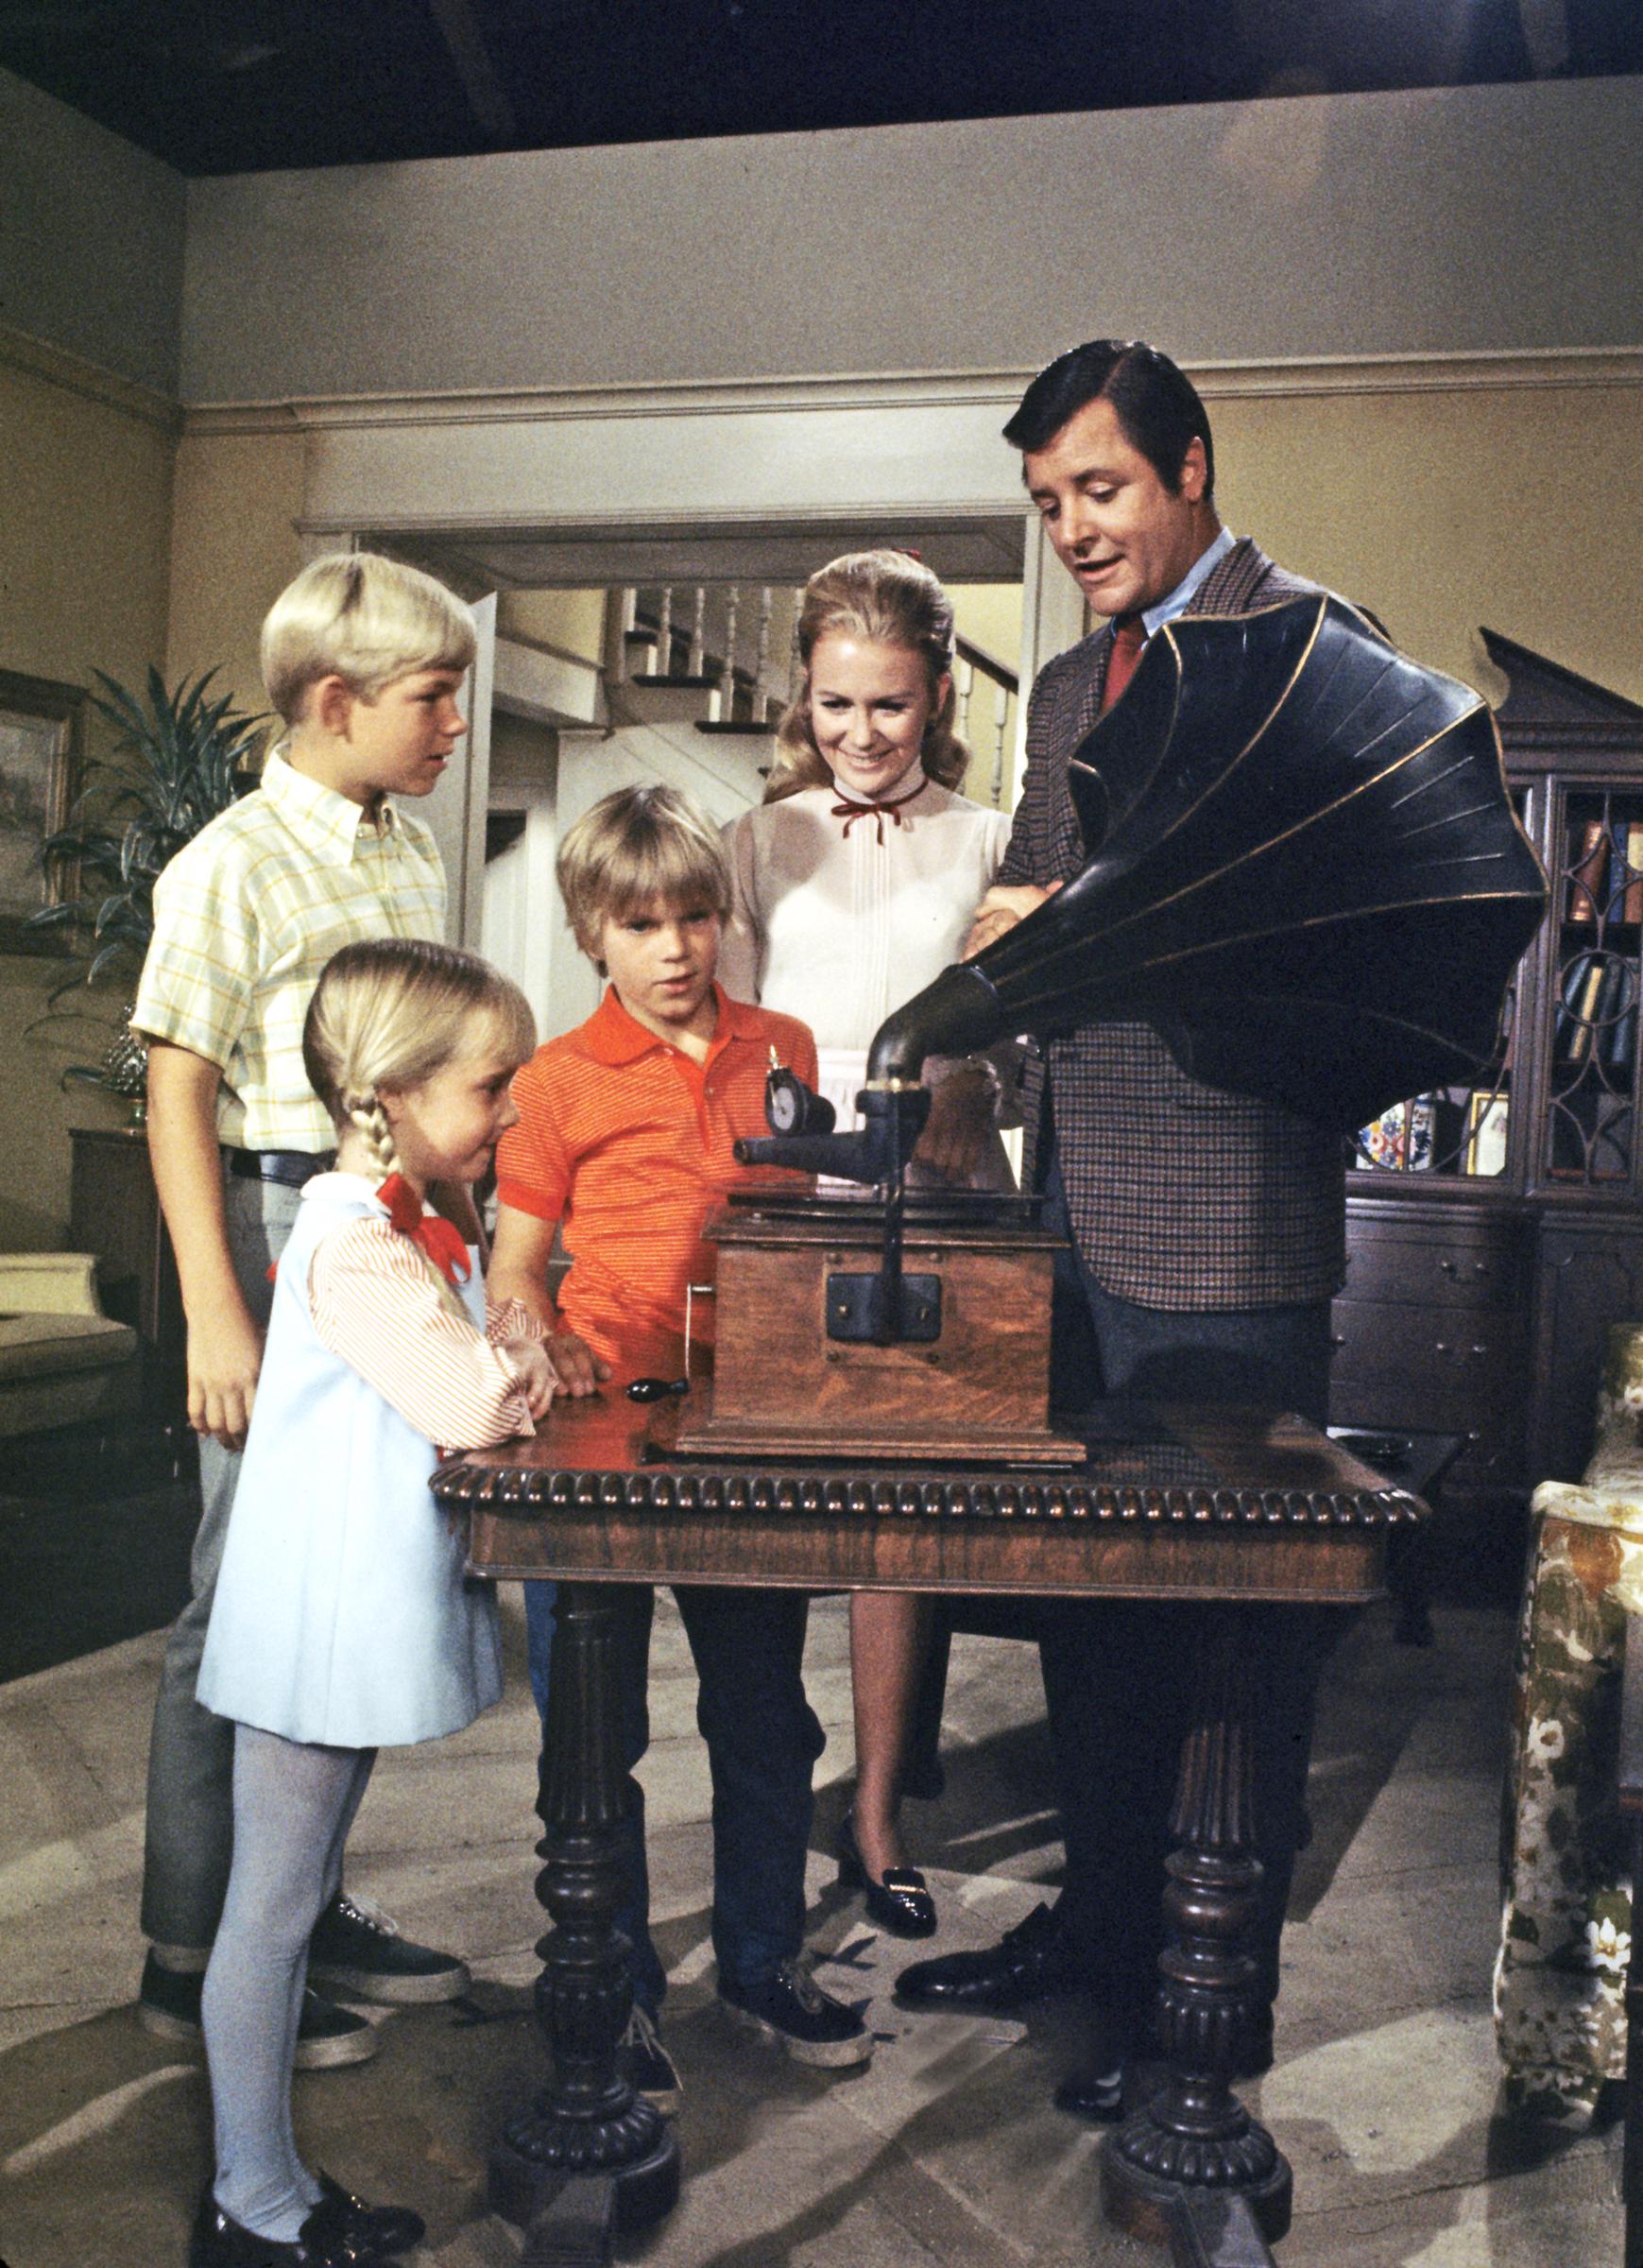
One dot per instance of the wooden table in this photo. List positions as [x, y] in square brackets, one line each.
[1242, 1509]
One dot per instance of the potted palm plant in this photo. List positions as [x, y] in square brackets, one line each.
[181, 756]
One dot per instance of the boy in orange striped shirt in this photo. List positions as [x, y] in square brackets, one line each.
[624, 1144]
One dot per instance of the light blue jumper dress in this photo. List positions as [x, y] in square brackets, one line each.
[342, 1616]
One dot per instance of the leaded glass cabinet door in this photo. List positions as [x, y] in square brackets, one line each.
[1585, 1143]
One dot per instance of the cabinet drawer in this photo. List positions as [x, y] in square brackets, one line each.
[1455, 1370]
[1480, 1274]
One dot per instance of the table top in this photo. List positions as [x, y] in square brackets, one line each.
[1169, 1502]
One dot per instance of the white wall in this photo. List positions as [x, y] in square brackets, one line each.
[91, 239]
[1466, 219]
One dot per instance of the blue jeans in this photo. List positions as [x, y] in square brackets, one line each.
[762, 1741]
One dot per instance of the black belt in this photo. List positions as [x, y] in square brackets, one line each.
[292, 1167]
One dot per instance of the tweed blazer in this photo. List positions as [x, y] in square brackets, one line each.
[1179, 1196]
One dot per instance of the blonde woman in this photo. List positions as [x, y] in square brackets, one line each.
[855, 884]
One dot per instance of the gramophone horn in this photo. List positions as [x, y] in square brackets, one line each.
[1306, 873]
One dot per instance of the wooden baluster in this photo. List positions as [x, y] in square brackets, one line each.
[761, 658]
[664, 633]
[616, 661]
[966, 674]
[727, 675]
[1000, 742]
[697, 663]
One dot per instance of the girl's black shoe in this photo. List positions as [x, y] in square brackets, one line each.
[326, 2240]
[901, 1903]
[389, 2227]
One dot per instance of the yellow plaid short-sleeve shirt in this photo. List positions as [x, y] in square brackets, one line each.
[247, 915]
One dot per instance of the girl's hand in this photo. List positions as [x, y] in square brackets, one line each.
[530, 1359]
[579, 1370]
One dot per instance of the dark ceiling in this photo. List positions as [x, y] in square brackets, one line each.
[230, 86]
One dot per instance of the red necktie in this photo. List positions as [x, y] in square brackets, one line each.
[440, 1239]
[847, 810]
[1129, 636]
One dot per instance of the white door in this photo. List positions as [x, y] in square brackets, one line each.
[456, 809]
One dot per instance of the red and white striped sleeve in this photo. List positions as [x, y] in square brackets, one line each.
[513, 1319]
[376, 1302]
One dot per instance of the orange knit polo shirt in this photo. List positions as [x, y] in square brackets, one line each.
[628, 1142]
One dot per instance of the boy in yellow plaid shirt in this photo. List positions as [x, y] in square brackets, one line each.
[362, 658]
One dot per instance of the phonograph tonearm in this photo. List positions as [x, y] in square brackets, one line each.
[1305, 873]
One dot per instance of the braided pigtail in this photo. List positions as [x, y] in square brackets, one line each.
[368, 1119]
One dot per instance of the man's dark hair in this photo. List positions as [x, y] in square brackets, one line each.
[1155, 404]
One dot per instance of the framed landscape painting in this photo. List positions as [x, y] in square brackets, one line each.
[40, 758]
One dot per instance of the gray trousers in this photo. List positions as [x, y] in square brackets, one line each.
[190, 1834]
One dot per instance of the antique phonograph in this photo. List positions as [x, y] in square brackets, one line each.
[1304, 871]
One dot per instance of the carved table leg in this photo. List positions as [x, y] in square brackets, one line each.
[1194, 2135]
[587, 2121]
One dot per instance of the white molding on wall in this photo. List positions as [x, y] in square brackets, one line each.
[36, 358]
[917, 389]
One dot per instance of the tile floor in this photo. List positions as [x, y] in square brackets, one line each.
[945, 2153]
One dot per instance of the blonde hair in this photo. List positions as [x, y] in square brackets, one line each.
[888, 598]
[635, 845]
[393, 1012]
[365, 619]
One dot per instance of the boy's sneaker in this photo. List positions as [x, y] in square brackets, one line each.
[792, 2009]
[168, 2004]
[360, 1952]
[646, 2065]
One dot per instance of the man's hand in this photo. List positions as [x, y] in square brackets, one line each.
[579, 1370]
[1002, 907]
[536, 1373]
[225, 1358]
[961, 1114]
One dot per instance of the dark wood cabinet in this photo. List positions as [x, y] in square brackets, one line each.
[1494, 1232]
[114, 1212]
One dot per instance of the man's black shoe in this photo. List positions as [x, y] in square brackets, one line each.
[1029, 1963]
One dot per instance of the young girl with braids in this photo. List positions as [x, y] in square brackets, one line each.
[343, 1618]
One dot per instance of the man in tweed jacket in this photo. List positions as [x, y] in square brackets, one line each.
[1206, 1230]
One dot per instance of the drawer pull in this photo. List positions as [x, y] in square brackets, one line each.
[1447, 1266]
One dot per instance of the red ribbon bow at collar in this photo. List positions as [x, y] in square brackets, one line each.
[850, 811]
[440, 1239]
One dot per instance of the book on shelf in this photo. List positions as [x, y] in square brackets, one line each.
[1606, 881]
[1581, 988]
[1486, 1133]
[1590, 864]
[1628, 857]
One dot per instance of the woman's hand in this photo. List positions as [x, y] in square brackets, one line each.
[961, 1117]
[536, 1373]
[579, 1370]
[1001, 909]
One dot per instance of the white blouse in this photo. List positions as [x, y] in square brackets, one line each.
[840, 928]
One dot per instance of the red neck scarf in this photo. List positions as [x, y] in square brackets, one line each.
[850, 811]
[440, 1239]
